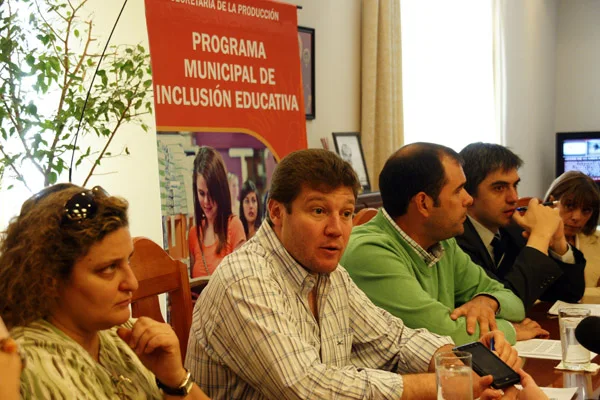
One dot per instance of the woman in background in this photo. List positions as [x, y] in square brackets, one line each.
[579, 202]
[234, 190]
[250, 210]
[66, 287]
[217, 231]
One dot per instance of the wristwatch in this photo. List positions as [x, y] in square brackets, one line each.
[182, 390]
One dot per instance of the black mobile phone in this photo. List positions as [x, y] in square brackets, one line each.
[487, 363]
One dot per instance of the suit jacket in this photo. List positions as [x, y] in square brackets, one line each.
[529, 273]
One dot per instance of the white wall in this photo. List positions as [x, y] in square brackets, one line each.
[577, 61]
[530, 28]
[337, 45]
[134, 177]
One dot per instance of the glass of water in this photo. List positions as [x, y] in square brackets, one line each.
[574, 356]
[454, 375]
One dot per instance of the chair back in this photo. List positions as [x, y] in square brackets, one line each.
[158, 273]
[523, 201]
[363, 216]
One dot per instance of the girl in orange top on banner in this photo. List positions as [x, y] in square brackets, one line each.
[220, 231]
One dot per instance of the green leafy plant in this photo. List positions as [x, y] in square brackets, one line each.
[48, 57]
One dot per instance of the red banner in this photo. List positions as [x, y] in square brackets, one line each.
[223, 66]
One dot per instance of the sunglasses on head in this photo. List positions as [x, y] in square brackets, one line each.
[82, 205]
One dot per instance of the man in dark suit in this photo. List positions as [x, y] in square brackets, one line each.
[537, 265]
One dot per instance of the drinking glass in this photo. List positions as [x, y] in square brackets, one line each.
[574, 356]
[581, 381]
[454, 375]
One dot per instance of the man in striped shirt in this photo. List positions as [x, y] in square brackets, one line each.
[280, 319]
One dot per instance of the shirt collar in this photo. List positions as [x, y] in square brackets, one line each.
[485, 234]
[430, 257]
[302, 278]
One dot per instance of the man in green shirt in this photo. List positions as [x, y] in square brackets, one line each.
[406, 260]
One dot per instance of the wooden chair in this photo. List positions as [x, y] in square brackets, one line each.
[158, 273]
[523, 201]
[363, 216]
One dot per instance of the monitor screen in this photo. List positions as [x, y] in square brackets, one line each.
[578, 151]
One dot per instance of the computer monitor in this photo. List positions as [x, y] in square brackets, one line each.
[578, 151]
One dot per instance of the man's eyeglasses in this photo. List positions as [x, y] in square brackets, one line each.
[82, 205]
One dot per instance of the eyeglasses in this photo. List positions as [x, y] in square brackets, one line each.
[82, 206]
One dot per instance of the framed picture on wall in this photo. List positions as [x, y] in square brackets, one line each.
[306, 43]
[348, 146]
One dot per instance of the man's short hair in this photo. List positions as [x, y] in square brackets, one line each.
[481, 159]
[414, 168]
[316, 169]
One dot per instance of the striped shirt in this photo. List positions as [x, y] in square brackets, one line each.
[254, 336]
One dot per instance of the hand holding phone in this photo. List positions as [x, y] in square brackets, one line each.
[487, 363]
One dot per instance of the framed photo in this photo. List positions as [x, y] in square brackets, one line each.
[348, 146]
[306, 43]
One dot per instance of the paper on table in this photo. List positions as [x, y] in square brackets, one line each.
[594, 308]
[559, 393]
[591, 367]
[542, 348]
[556, 393]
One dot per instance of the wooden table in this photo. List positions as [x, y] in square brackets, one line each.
[543, 371]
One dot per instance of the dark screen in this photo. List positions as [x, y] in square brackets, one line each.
[488, 362]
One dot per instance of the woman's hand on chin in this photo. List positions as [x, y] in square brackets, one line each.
[157, 346]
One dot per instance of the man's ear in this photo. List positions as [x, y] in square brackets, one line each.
[276, 209]
[423, 203]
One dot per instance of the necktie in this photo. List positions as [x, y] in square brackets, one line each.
[498, 247]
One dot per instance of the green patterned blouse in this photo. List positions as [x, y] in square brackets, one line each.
[59, 368]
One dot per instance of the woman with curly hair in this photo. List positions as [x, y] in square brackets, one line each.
[579, 209]
[217, 231]
[66, 288]
[250, 209]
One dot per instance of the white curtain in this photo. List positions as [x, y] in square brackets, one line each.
[448, 72]
[381, 107]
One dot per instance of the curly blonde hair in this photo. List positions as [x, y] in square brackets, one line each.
[40, 247]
